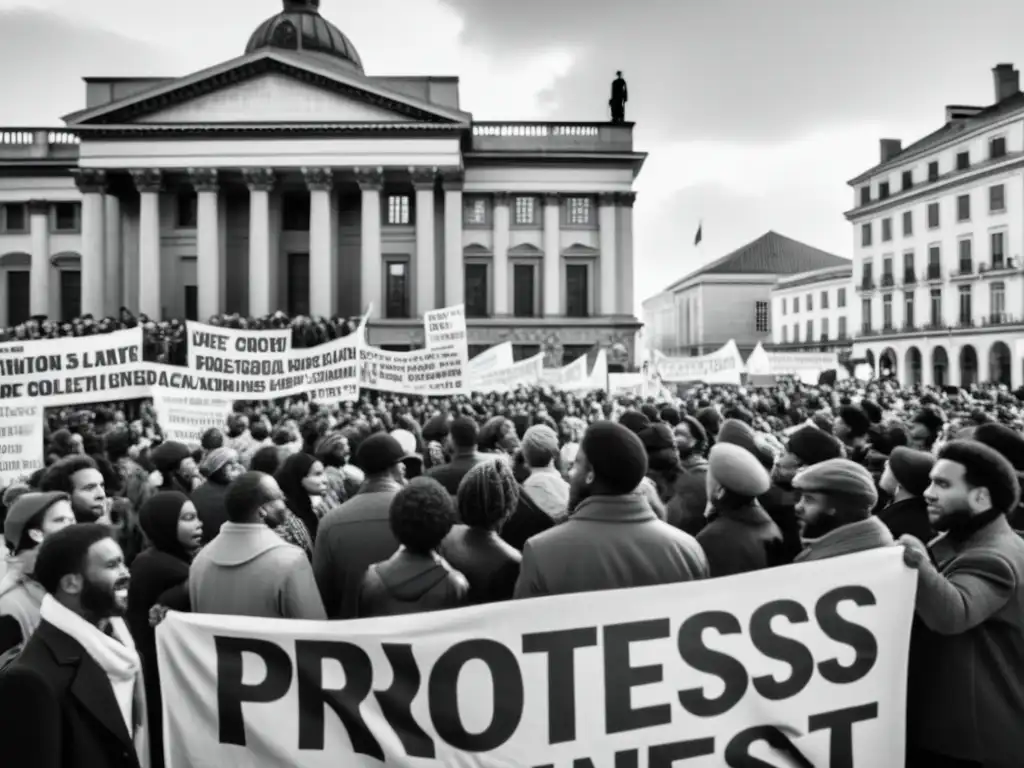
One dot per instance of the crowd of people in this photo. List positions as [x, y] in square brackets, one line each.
[395, 505]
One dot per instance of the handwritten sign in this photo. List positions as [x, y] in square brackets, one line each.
[446, 327]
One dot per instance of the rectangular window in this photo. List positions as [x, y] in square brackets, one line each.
[865, 195]
[298, 284]
[997, 303]
[865, 314]
[396, 290]
[997, 242]
[783, 306]
[908, 223]
[824, 329]
[525, 210]
[933, 170]
[842, 327]
[399, 210]
[295, 212]
[810, 330]
[963, 161]
[796, 305]
[936, 308]
[13, 218]
[761, 316]
[523, 290]
[887, 311]
[934, 262]
[867, 280]
[996, 199]
[810, 302]
[577, 290]
[70, 294]
[18, 292]
[67, 217]
[796, 333]
[887, 277]
[883, 190]
[908, 180]
[933, 215]
[192, 302]
[477, 290]
[963, 208]
[841, 298]
[824, 299]
[908, 309]
[578, 211]
[886, 230]
[474, 212]
[187, 213]
[865, 234]
[997, 147]
[785, 334]
[966, 265]
[965, 305]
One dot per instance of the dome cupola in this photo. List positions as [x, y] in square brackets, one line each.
[300, 27]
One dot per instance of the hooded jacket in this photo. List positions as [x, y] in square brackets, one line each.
[248, 570]
[411, 583]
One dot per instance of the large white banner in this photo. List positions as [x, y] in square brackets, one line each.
[214, 349]
[807, 366]
[804, 665]
[420, 372]
[525, 373]
[498, 356]
[74, 370]
[574, 376]
[723, 366]
[21, 439]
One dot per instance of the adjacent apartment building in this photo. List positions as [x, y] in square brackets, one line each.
[811, 310]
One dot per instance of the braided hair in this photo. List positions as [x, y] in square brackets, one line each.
[488, 495]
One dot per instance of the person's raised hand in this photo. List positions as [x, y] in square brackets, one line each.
[915, 553]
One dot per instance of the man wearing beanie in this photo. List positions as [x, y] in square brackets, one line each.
[739, 536]
[965, 700]
[836, 500]
[30, 519]
[613, 539]
[904, 480]
[852, 428]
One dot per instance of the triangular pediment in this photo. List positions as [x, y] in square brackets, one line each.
[475, 249]
[579, 250]
[268, 87]
[526, 250]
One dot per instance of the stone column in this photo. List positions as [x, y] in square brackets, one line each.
[454, 274]
[113, 263]
[501, 240]
[39, 277]
[93, 184]
[371, 180]
[607, 264]
[208, 250]
[260, 182]
[322, 252]
[552, 278]
[425, 274]
[624, 232]
[149, 182]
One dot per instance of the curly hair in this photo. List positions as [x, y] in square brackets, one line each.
[58, 476]
[421, 515]
[488, 495]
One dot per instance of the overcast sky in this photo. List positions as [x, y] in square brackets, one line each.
[755, 112]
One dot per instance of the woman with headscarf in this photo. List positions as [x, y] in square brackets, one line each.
[304, 484]
[219, 467]
[160, 578]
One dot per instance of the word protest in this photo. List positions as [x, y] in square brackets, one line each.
[420, 372]
[445, 327]
[185, 418]
[74, 371]
[21, 439]
[802, 665]
[209, 342]
[525, 373]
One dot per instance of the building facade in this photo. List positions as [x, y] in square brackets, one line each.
[730, 298]
[938, 231]
[288, 179]
[811, 310]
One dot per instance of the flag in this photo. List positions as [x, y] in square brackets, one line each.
[700, 234]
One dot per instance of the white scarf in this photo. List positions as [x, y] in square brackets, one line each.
[117, 658]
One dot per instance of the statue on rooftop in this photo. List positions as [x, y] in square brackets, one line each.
[620, 95]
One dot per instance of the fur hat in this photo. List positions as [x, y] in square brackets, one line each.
[811, 445]
[617, 456]
[839, 477]
[911, 469]
[738, 470]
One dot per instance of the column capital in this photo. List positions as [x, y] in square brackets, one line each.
[607, 198]
[90, 180]
[318, 179]
[422, 177]
[370, 178]
[204, 179]
[259, 179]
[626, 199]
[552, 198]
[452, 179]
[148, 179]
[38, 207]
[502, 198]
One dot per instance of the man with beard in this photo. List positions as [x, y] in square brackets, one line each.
[836, 499]
[613, 539]
[74, 696]
[80, 478]
[965, 692]
[685, 510]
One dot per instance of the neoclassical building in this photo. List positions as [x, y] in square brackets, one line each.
[288, 178]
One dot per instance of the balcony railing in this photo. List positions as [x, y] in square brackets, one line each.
[867, 284]
[553, 137]
[888, 280]
[934, 272]
[30, 144]
[909, 278]
[1000, 264]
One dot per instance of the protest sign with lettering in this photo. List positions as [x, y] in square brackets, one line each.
[214, 349]
[427, 372]
[184, 417]
[74, 370]
[21, 439]
[800, 665]
[445, 327]
[525, 373]
[723, 366]
[807, 366]
[498, 356]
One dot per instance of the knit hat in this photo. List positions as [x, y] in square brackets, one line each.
[885, 437]
[742, 434]
[24, 510]
[911, 469]
[657, 437]
[616, 455]
[697, 430]
[811, 446]
[855, 419]
[378, 453]
[839, 477]
[216, 460]
[634, 421]
[670, 416]
[711, 420]
[437, 428]
[167, 456]
[738, 470]
[540, 441]
[1004, 440]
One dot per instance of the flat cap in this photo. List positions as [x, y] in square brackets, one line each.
[839, 477]
[737, 470]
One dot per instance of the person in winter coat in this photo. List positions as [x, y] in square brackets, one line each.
[248, 570]
[30, 520]
[304, 483]
[416, 578]
[904, 480]
[685, 510]
[220, 466]
[160, 578]
[740, 536]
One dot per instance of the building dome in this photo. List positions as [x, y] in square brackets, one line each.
[300, 27]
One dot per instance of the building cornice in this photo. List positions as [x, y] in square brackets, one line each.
[290, 130]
